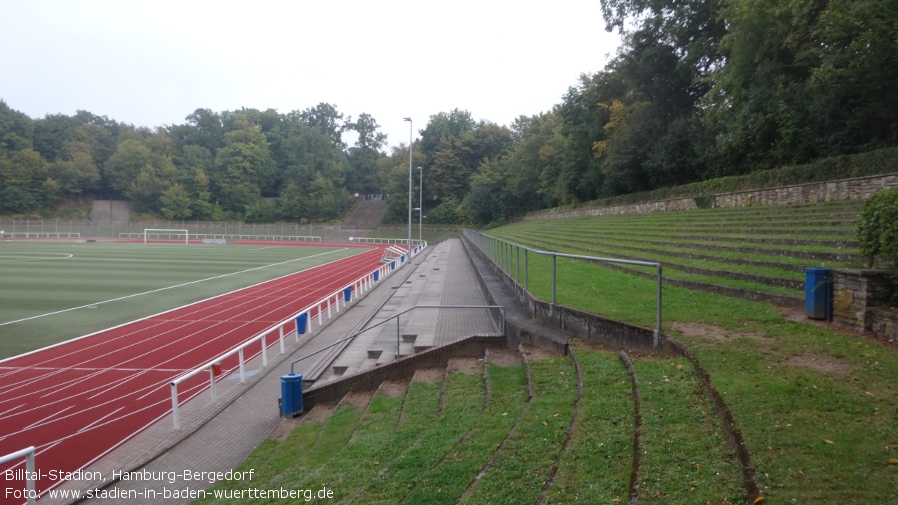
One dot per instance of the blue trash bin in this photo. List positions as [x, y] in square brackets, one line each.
[291, 394]
[347, 294]
[301, 323]
[376, 275]
[818, 293]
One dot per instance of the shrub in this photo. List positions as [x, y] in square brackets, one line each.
[877, 232]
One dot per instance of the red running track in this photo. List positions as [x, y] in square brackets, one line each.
[77, 401]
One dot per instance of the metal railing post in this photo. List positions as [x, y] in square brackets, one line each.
[242, 366]
[397, 337]
[175, 415]
[212, 383]
[658, 341]
[554, 274]
[526, 271]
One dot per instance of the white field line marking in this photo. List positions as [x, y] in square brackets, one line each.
[118, 384]
[11, 409]
[46, 447]
[63, 256]
[67, 384]
[45, 420]
[27, 382]
[92, 369]
[164, 289]
[89, 426]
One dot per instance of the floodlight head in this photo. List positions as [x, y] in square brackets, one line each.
[406, 119]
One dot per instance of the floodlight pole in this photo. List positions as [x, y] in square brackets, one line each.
[420, 202]
[409, 186]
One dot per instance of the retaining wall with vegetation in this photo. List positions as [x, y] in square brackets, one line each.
[856, 188]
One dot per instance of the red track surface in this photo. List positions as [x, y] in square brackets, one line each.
[77, 401]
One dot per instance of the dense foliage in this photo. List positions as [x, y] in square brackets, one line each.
[699, 90]
[247, 164]
[877, 232]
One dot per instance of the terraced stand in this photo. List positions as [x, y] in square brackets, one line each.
[512, 427]
[757, 253]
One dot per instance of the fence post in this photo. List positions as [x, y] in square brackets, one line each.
[526, 275]
[242, 366]
[554, 275]
[212, 382]
[282, 338]
[29, 483]
[264, 352]
[658, 322]
[176, 418]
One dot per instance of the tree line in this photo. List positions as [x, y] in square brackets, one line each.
[698, 89]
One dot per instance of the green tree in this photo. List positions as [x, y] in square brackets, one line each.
[361, 173]
[124, 166]
[242, 167]
[200, 204]
[175, 202]
[16, 130]
[151, 183]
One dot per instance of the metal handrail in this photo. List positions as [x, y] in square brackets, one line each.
[396, 317]
[30, 493]
[364, 283]
[657, 332]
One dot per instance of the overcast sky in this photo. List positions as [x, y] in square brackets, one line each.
[151, 63]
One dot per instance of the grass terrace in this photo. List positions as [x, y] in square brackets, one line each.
[756, 251]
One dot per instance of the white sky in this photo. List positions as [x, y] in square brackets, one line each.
[151, 63]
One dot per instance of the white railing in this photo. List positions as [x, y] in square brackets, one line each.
[29, 492]
[39, 234]
[378, 240]
[228, 236]
[304, 317]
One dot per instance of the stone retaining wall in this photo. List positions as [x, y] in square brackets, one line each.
[858, 188]
[859, 299]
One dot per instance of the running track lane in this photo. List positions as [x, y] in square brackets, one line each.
[77, 401]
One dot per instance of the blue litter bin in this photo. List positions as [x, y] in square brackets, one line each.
[818, 293]
[376, 275]
[301, 323]
[347, 294]
[291, 394]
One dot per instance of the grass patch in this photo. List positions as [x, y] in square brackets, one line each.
[522, 465]
[596, 467]
[464, 404]
[448, 480]
[685, 458]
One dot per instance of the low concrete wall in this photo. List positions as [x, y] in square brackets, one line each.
[573, 321]
[472, 346]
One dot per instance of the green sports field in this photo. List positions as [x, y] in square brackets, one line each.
[55, 291]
